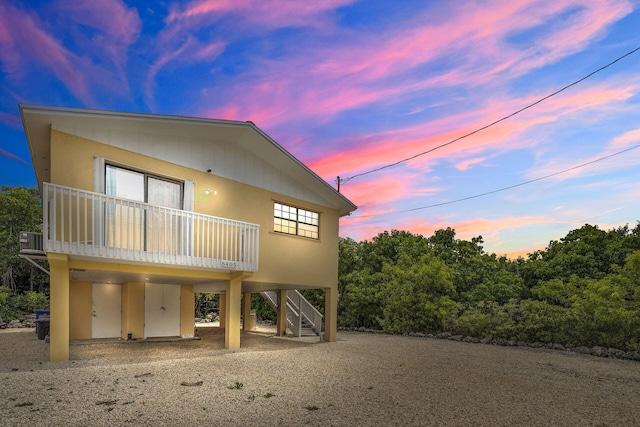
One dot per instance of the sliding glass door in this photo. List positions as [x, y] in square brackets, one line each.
[164, 230]
[131, 225]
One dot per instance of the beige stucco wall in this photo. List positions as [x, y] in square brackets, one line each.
[282, 259]
[80, 304]
[133, 310]
[187, 315]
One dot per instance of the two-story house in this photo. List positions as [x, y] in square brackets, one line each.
[141, 211]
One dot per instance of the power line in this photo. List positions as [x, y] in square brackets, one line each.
[345, 180]
[501, 189]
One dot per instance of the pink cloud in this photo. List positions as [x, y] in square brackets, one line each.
[466, 164]
[625, 140]
[377, 196]
[273, 14]
[388, 147]
[11, 156]
[489, 229]
[331, 80]
[376, 203]
[27, 42]
[117, 27]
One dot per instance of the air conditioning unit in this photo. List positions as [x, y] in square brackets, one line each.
[31, 243]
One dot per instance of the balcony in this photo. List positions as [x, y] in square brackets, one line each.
[86, 224]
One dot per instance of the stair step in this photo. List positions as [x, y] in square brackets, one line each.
[293, 312]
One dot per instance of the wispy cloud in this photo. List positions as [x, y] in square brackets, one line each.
[10, 119]
[11, 156]
[189, 52]
[115, 28]
[373, 68]
[251, 13]
[25, 44]
[29, 41]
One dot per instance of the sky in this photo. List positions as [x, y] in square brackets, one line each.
[349, 87]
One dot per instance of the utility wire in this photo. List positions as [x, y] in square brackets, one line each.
[345, 180]
[501, 189]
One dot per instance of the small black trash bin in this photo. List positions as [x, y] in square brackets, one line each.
[39, 313]
[43, 324]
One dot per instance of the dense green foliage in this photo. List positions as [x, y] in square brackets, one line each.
[20, 210]
[14, 306]
[583, 289]
[208, 306]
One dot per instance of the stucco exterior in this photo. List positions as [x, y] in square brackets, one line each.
[70, 149]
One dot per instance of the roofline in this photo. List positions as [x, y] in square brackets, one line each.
[112, 113]
[25, 108]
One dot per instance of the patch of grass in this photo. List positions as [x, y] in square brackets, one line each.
[311, 408]
[251, 397]
[237, 386]
[21, 405]
[268, 395]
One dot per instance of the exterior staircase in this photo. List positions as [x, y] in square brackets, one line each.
[303, 319]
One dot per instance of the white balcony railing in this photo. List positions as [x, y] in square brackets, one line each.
[84, 223]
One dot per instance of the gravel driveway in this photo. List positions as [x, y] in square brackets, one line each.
[360, 380]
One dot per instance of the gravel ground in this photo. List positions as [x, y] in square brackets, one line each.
[360, 380]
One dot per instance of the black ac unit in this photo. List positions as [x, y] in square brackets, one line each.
[31, 243]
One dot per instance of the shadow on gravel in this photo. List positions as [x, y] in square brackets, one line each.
[20, 349]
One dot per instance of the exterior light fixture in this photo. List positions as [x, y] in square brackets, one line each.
[210, 191]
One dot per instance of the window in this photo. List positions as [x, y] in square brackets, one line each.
[133, 226]
[142, 187]
[295, 221]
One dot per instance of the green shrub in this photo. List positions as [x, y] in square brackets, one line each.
[15, 306]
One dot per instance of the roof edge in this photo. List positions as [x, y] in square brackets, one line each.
[63, 111]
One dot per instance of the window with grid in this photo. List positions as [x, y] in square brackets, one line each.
[295, 221]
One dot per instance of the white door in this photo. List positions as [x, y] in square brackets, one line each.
[107, 310]
[161, 310]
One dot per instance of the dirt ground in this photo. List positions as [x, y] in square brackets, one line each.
[360, 380]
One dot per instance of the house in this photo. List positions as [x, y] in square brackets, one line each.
[141, 211]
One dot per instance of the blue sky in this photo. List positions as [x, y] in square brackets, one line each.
[351, 86]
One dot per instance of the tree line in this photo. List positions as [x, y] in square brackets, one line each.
[582, 289]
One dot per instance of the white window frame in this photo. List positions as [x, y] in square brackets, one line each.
[188, 191]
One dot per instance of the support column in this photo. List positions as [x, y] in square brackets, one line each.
[59, 307]
[281, 313]
[232, 313]
[248, 321]
[187, 311]
[222, 301]
[330, 314]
